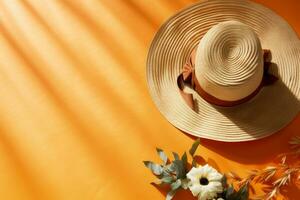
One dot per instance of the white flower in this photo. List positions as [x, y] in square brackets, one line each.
[205, 182]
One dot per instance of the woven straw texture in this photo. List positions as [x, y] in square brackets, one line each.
[269, 111]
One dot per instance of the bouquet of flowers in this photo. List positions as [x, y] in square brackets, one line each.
[206, 183]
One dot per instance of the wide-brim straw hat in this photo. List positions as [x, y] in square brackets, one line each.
[271, 109]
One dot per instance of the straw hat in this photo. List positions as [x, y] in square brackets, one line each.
[208, 69]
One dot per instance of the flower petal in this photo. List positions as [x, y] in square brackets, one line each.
[214, 176]
[195, 189]
[207, 195]
[209, 191]
[217, 186]
[193, 172]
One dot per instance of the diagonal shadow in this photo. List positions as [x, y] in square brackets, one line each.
[100, 85]
[81, 128]
[102, 36]
[99, 152]
[90, 77]
[185, 2]
[134, 8]
[71, 116]
[22, 169]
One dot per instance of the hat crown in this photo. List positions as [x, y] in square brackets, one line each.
[229, 61]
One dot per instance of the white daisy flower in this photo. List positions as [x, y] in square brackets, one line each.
[205, 182]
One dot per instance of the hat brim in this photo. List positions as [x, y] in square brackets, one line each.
[269, 111]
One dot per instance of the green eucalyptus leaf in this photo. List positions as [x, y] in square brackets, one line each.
[194, 147]
[170, 168]
[185, 183]
[179, 169]
[176, 184]
[155, 168]
[162, 155]
[165, 173]
[176, 156]
[224, 181]
[194, 163]
[229, 192]
[244, 192]
[171, 194]
[184, 159]
[167, 179]
[175, 167]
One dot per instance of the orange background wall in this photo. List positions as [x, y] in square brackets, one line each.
[76, 119]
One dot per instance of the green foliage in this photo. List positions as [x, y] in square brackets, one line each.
[179, 169]
[171, 194]
[193, 150]
[175, 185]
[184, 160]
[194, 163]
[176, 156]
[229, 192]
[241, 194]
[162, 155]
[194, 147]
[155, 168]
[173, 173]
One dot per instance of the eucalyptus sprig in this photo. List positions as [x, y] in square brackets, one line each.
[174, 172]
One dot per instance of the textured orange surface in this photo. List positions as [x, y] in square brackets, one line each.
[76, 119]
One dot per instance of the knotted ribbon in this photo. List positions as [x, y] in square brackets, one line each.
[188, 77]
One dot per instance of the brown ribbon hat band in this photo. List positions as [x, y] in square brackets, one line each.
[228, 80]
[188, 78]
